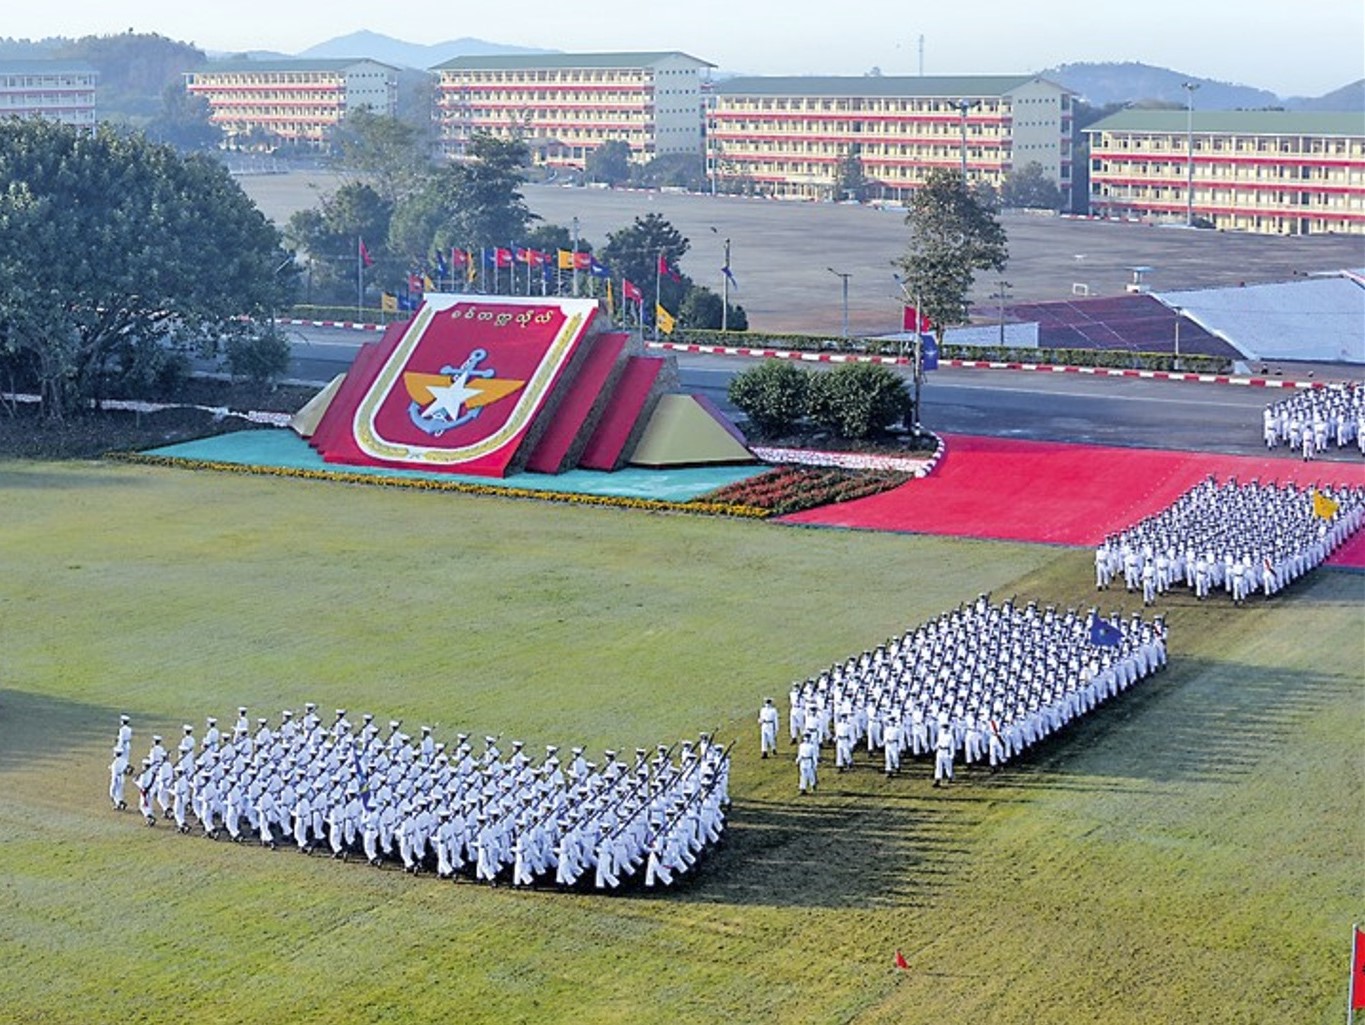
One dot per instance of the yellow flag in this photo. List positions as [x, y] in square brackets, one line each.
[427, 283]
[471, 267]
[1324, 508]
[664, 319]
[611, 299]
[566, 259]
[388, 303]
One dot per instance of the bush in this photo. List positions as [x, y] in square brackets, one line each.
[772, 394]
[857, 400]
[259, 358]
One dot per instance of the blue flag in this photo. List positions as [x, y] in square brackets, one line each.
[1104, 634]
[600, 270]
[730, 277]
[929, 351]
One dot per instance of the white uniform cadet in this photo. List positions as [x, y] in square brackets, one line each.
[767, 727]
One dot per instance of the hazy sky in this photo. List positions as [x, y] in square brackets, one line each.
[1303, 48]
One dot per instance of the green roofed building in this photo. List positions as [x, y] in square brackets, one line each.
[564, 105]
[57, 90]
[267, 102]
[1272, 171]
[786, 136]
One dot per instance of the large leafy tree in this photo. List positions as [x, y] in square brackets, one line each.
[185, 121]
[952, 237]
[331, 233]
[1030, 187]
[609, 162]
[634, 252]
[115, 249]
[386, 153]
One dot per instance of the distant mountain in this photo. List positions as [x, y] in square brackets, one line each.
[401, 54]
[1103, 83]
[1347, 98]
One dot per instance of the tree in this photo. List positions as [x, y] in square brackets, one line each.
[951, 238]
[1030, 187]
[384, 152]
[850, 181]
[484, 196]
[671, 170]
[184, 121]
[331, 234]
[609, 162]
[701, 309]
[114, 249]
[634, 252]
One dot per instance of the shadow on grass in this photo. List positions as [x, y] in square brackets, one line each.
[39, 730]
[1201, 720]
[841, 849]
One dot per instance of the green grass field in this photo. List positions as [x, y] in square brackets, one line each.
[1191, 854]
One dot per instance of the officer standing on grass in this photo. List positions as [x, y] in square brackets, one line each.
[767, 727]
[807, 760]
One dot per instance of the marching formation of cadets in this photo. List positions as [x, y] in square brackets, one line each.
[1242, 539]
[391, 798]
[1311, 420]
[981, 683]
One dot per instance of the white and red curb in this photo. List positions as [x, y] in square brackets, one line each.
[892, 361]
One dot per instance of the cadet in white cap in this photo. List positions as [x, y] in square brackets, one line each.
[124, 741]
[807, 761]
[767, 728]
[118, 773]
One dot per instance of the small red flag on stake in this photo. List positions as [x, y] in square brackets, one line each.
[901, 962]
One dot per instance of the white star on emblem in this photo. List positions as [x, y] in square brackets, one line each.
[448, 399]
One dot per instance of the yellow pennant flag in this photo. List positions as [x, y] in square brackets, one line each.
[388, 303]
[664, 318]
[1324, 508]
[471, 266]
[611, 299]
[427, 283]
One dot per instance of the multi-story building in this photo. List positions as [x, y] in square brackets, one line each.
[566, 105]
[291, 101]
[58, 90]
[1270, 171]
[785, 136]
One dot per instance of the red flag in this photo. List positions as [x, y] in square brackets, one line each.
[901, 962]
[582, 261]
[1357, 969]
[458, 257]
[630, 292]
[502, 257]
[364, 253]
[909, 318]
[666, 271]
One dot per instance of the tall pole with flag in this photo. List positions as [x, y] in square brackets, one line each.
[725, 290]
[658, 290]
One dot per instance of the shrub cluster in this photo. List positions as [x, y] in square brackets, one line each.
[855, 400]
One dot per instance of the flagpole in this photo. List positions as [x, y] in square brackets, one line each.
[359, 280]
[725, 291]
[658, 291]
[575, 257]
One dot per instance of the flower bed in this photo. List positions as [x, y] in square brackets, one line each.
[789, 489]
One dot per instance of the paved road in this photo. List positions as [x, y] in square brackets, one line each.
[1013, 404]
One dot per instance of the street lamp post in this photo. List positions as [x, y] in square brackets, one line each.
[1189, 88]
[1002, 295]
[962, 107]
[1175, 364]
[843, 276]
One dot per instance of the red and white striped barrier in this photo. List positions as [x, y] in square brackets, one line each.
[957, 364]
[978, 364]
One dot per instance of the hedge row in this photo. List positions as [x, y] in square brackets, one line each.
[1115, 358]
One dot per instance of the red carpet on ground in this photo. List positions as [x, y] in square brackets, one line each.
[1060, 494]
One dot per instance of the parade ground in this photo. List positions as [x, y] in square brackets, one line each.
[782, 253]
[1188, 853]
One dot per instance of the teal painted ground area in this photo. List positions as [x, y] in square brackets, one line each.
[282, 447]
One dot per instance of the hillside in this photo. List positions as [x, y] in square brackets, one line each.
[408, 55]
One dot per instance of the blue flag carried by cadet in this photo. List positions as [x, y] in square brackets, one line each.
[1104, 634]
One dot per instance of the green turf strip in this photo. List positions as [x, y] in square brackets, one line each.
[1192, 853]
[281, 447]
